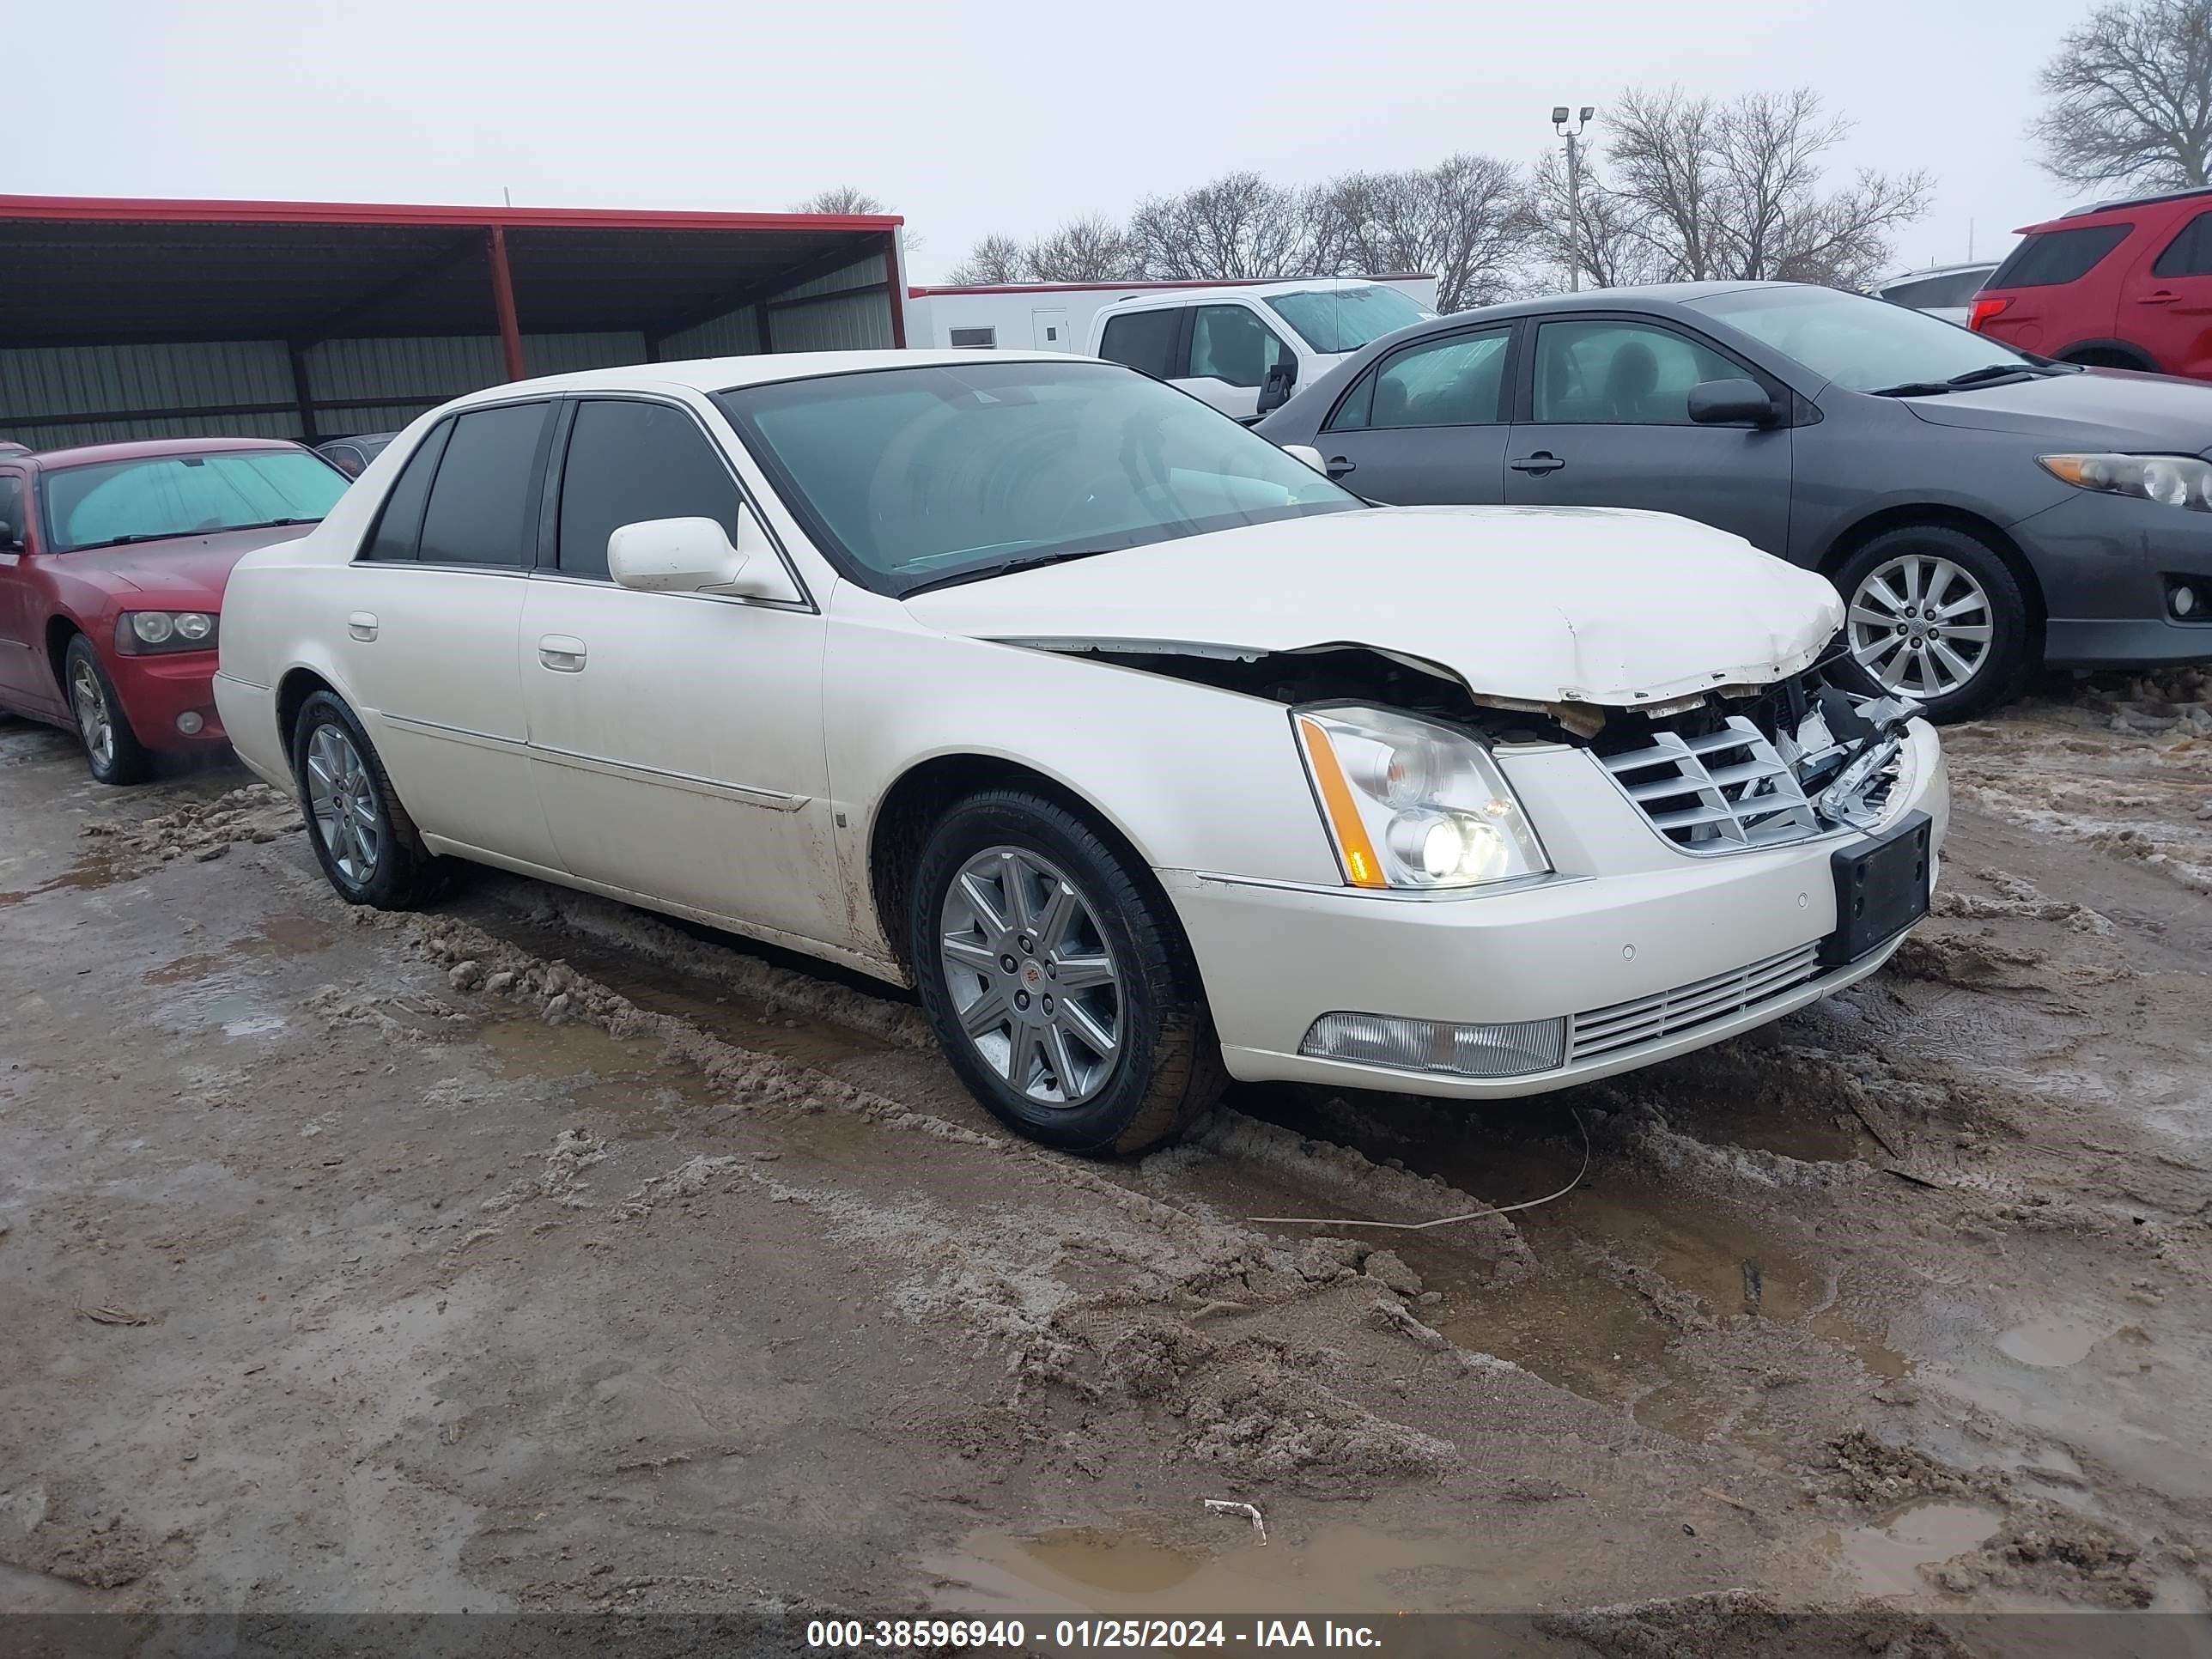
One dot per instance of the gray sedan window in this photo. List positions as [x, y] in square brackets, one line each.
[1607, 373]
[1451, 381]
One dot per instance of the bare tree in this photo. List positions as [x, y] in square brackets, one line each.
[1238, 226]
[2130, 97]
[1467, 219]
[995, 260]
[840, 198]
[1091, 249]
[1695, 189]
[1602, 239]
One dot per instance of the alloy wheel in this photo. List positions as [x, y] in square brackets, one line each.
[1922, 625]
[1033, 982]
[343, 802]
[95, 724]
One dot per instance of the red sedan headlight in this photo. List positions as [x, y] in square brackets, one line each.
[145, 633]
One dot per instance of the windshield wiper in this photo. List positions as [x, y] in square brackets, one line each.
[1985, 375]
[270, 523]
[1006, 567]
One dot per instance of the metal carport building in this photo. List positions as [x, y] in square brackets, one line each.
[123, 319]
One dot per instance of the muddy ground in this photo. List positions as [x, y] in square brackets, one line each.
[534, 1252]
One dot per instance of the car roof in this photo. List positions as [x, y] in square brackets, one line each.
[1958, 269]
[142, 449]
[725, 374]
[1650, 296]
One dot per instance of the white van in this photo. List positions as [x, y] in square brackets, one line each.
[1244, 349]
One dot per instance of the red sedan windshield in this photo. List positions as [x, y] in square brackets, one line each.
[113, 502]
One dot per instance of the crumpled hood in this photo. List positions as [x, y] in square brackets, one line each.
[1543, 604]
[2105, 408]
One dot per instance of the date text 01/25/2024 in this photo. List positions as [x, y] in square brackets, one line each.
[1085, 1635]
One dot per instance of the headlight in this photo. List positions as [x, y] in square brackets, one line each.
[1413, 805]
[142, 633]
[2170, 480]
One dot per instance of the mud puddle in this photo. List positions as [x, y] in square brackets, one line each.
[1886, 1559]
[626, 1080]
[1116, 1570]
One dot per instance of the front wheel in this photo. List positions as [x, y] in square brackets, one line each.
[112, 749]
[362, 836]
[1058, 985]
[1934, 614]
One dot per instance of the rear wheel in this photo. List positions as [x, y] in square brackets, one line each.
[362, 836]
[112, 749]
[1058, 985]
[1934, 614]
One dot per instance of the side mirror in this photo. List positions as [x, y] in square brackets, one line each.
[1275, 389]
[1731, 403]
[696, 555]
[11, 540]
[1309, 455]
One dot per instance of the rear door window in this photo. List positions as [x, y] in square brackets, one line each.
[1454, 381]
[629, 462]
[12, 532]
[2189, 254]
[483, 503]
[399, 524]
[1144, 340]
[2049, 257]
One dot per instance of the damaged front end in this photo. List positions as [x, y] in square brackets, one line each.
[1739, 767]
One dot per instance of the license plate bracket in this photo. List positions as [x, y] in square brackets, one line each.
[1881, 889]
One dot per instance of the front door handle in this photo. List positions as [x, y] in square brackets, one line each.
[361, 624]
[1337, 466]
[562, 653]
[1541, 462]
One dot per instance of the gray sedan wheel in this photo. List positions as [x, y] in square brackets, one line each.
[1922, 625]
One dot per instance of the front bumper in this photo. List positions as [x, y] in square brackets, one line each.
[155, 690]
[1629, 919]
[2106, 564]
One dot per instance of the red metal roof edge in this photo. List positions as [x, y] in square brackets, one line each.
[1153, 283]
[118, 209]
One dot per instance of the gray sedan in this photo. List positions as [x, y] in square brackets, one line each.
[1981, 510]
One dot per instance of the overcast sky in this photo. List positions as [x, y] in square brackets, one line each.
[971, 115]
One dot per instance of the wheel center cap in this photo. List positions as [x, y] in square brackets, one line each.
[1032, 975]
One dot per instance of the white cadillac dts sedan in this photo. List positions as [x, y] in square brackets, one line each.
[1141, 748]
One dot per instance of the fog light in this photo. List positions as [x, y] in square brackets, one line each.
[2183, 599]
[189, 723]
[1510, 1049]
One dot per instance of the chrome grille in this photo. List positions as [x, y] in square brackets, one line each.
[1716, 792]
[1686, 1007]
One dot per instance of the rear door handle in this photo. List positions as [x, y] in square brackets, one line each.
[361, 624]
[1541, 462]
[1338, 466]
[562, 653]
[2165, 296]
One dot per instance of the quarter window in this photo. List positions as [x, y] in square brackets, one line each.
[1453, 381]
[482, 510]
[1144, 340]
[1228, 343]
[2189, 254]
[1620, 374]
[628, 461]
[399, 525]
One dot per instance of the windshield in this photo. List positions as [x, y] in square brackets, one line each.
[918, 475]
[1346, 318]
[1860, 343]
[165, 495]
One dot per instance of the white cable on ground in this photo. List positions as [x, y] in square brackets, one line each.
[1442, 1220]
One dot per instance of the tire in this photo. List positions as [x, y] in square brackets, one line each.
[1085, 911]
[112, 749]
[1918, 655]
[367, 844]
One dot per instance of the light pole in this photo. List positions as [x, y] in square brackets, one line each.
[1573, 135]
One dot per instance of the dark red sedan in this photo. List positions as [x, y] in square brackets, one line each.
[112, 561]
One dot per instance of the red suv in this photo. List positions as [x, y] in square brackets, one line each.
[2118, 285]
[112, 561]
